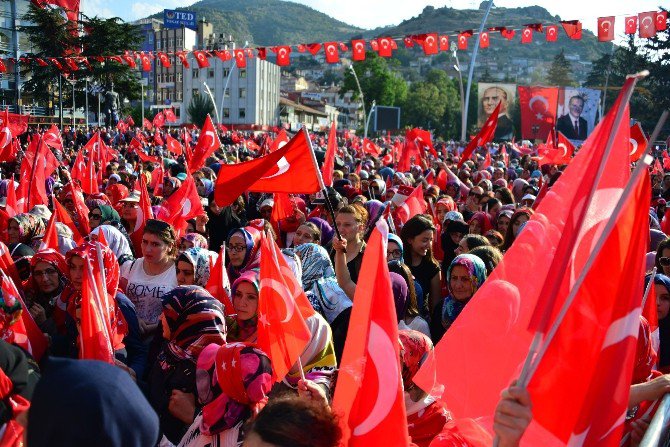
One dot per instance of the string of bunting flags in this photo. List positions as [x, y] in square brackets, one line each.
[646, 24]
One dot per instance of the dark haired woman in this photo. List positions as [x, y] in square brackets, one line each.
[417, 237]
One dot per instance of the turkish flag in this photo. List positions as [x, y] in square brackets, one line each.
[630, 25]
[42, 163]
[71, 7]
[126, 57]
[146, 62]
[146, 124]
[53, 60]
[291, 169]
[164, 60]
[170, 117]
[95, 342]
[23, 332]
[219, 283]
[638, 142]
[173, 145]
[89, 178]
[329, 161]
[240, 58]
[551, 33]
[283, 55]
[7, 265]
[313, 48]
[661, 20]
[282, 331]
[183, 204]
[566, 147]
[208, 143]
[409, 41]
[385, 46]
[370, 148]
[64, 217]
[463, 41]
[201, 58]
[358, 49]
[183, 57]
[538, 111]
[224, 55]
[369, 395]
[280, 141]
[50, 238]
[332, 53]
[527, 35]
[573, 28]
[429, 43]
[374, 44]
[606, 29]
[414, 204]
[159, 120]
[575, 211]
[566, 395]
[158, 141]
[507, 33]
[650, 313]
[144, 212]
[444, 43]
[647, 24]
[484, 136]
[484, 39]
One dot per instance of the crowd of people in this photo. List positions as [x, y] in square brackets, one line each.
[188, 371]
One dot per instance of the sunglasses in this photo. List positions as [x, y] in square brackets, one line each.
[664, 261]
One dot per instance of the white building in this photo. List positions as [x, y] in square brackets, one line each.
[251, 93]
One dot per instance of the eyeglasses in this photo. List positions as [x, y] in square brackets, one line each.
[47, 272]
[95, 216]
[664, 261]
[237, 248]
[394, 254]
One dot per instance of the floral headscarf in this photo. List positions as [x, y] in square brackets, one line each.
[197, 239]
[233, 381]
[244, 330]
[327, 231]
[200, 259]
[447, 202]
[451, 307]
[316, 264]
[195, 319]
[414, 350]
[30, 226]
[252, 240]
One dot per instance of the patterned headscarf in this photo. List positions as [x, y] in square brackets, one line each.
[252, 257]
[195, 319]
[315, 264]
[327, 231]
[208, 186]
[200, 259]
[475, 267]
[53, 258]
[116, 241]
[414, 350]
[30, 226]
[244, 330]
[447, 202]
[197, 239]
[233, 381]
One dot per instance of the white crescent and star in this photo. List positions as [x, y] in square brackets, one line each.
[380, 348]
[485, 36]
[540, 98]
[644, 20]
[526, 32]
[605, 25]
[633, 145]
[282, 166]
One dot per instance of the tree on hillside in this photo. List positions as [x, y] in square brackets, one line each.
[560, 72]
[378, 82]
[598, 74]
[51, 36]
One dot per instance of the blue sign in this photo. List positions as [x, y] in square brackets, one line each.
[177, 19]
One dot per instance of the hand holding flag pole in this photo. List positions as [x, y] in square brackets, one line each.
[648, 289]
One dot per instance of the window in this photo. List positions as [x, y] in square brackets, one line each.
[243, 113]
[243, 93]
[226, 112]
[195, 73]
[226, 72]
[210, 73]
[226, 93]
[159, 96]
[158, 44]
[170, 44]
[180, 42]
[243, 73]
[178, 77]
[179, 98]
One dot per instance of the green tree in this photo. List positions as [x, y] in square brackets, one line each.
[560, 72]
[199, 107]
[599, 69]
[378, 82]
[658, 55]
[424, 106]
[53, 37]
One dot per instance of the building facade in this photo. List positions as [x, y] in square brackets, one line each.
[243, 96]
[169, 82]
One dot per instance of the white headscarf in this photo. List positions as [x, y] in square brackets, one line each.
[115, 240]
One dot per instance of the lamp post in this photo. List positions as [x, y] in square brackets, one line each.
[457, 67]
[87, 80]
[367, 122]
[360, 91]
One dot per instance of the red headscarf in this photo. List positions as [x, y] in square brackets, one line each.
[117, 192]
[484, 221]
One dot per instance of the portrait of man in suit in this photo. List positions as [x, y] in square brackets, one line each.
[572, 125]
[489, 97]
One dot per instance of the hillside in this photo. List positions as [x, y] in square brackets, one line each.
[270, 22]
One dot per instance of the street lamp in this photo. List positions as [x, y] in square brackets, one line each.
[457, 67]
[87, 79]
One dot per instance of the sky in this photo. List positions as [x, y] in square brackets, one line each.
[374, 13]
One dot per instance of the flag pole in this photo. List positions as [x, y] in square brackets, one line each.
[648, 289]
[321, 184]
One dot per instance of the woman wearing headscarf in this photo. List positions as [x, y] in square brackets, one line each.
[116, 241]
[191, 320]
[480, 223]
[170, 185]
[66, 240]
[25, 227]
[193, 266]
[518, 186]
[326, 296]
[375, 210]
[205, 187]
[48, 277]
[404, 295]
[327, 231]
[117, 192]
[662, 288]
[243, 250]
[109, 217]
[454, 231]
[520, 217]
[426, 417]
[190, 240]
[81, 403]
[233, 382]
[465, 275]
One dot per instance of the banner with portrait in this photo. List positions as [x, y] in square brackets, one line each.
[538, 111]
[489, 95]
[577, 112]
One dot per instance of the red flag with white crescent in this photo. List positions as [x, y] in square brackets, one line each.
[328, 167]
[538, 111]
[219, 284]
[144, 212]
[630, 25]
[201, 58]
[647, 24]
[53, 138]
[638, 142]
[369, 395]
[606, 28]
[173, 145]
[332, 52]
[208, 143]
[358, 50]
[484, 136]
[282, 331]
